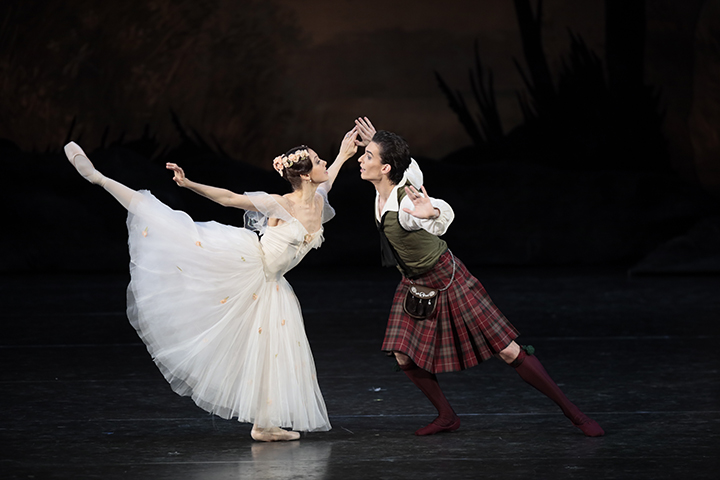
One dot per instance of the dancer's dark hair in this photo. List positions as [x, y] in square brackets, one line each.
[394, 151]
[299, 167]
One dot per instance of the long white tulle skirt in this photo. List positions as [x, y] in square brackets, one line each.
[217, 328]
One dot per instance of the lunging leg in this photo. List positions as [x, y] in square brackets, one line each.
[531, 370]
[447, 420]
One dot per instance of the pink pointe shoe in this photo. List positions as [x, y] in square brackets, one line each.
[82, 164]
[273, 434]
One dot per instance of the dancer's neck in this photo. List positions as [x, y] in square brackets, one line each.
[384, 188]
[305, 195]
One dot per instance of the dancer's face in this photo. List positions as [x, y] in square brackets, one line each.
[371, 168]
[319, 173]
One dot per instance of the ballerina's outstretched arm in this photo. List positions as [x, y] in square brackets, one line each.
[348, 147]
[124, 195]
[224, 197]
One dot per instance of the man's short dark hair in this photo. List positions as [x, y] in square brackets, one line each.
[394, 151]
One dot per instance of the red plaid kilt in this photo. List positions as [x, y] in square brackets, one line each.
[465, 329]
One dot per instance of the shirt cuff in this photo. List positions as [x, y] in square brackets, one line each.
[437, 226]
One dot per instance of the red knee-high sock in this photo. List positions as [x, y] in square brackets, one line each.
[427, 382]
[531, 370]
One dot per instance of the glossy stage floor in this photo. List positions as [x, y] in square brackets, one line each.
[82, 399]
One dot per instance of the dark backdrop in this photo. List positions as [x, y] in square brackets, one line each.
[562, 133]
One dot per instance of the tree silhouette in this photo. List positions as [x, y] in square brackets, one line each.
[593, 116]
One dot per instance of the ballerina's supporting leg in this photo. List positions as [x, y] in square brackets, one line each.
[84, 166]
[273, 434]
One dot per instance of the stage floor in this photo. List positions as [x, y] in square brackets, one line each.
[82, 399]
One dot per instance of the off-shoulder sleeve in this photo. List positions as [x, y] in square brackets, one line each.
[267, 207]
[328, 211]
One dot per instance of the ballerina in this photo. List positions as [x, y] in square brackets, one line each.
[211, 302]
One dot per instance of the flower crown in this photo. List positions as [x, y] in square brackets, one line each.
[287, 161]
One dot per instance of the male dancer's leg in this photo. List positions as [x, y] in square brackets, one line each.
[447, 420]
[531, 370]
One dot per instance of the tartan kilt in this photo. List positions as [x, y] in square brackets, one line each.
[465, 329]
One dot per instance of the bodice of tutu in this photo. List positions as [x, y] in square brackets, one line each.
[285, 245]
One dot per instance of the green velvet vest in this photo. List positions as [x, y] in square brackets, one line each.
[413, 252]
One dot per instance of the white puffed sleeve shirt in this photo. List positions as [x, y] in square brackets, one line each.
[436, 226]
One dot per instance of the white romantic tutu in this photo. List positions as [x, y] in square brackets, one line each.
[218, 317]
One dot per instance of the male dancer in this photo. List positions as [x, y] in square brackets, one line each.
[466, 327]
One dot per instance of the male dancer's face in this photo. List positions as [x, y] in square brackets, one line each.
[371, 168]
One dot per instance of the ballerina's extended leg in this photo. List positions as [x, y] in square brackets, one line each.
[84, 166]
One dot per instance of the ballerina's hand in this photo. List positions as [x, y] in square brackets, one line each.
[365, 130]
[423, 206]
[179, 176]
[349, 147]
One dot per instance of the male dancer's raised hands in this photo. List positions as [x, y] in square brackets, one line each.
[365, 130]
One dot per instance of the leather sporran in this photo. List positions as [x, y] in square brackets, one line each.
[420, 302]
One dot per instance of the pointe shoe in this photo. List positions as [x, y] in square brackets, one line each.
[273, 434]
[72, 149]
[82, 164]
[434, 427]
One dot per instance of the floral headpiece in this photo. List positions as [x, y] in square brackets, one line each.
[287, 161]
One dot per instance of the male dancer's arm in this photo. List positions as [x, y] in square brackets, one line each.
[365, 130]
[427, 213]
[420, 211]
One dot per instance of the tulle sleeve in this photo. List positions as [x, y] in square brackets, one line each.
[328, 211]
[267, 207]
